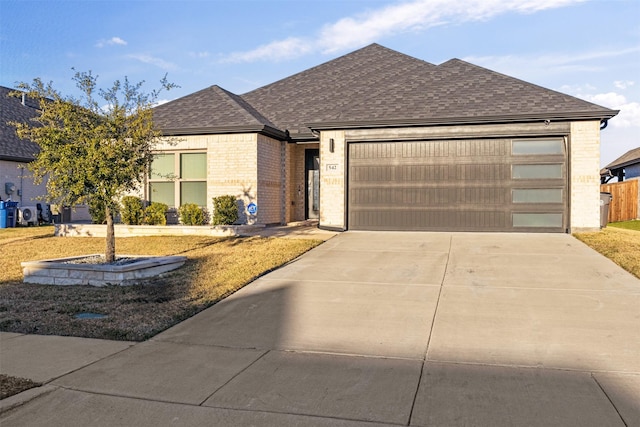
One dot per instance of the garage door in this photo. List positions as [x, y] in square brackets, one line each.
[460, 185]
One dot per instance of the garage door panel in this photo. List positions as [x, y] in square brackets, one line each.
[472, 185]
[431, 220]
[462, 198]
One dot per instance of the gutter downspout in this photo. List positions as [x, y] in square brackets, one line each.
[604, 123]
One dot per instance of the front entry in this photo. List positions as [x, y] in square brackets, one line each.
[312, 174]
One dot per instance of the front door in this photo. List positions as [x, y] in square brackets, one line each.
[312, 173]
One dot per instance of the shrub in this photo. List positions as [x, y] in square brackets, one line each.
[192, 214]
[132, 210]
[97, 212]
[225, 210]
[155, 214]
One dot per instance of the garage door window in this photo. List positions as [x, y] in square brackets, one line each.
[538, 147]
[537, 195]
[553, 171]
[541, 220]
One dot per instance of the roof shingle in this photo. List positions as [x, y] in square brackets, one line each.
[12, 110]
[376, 86]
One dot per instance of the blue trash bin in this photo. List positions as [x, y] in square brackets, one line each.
[3, 214]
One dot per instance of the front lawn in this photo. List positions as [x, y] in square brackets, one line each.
[634, 224]
[215, 268]
[620, 245]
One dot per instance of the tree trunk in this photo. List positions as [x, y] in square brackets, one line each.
[110, 251]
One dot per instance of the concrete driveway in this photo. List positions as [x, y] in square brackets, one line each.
[420, 329]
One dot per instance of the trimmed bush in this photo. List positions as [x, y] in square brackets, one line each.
[132, 210]
[192, 214]
[225, 210]
[97, 212]
[155, 214]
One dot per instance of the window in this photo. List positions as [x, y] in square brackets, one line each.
[538, 147]
[550, 220]
[188, 185]
[537, 195]
[553, 171]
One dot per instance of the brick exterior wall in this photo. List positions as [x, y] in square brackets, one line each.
[333, 180]
[248, 166]
[271, 173]
[584, 166]
[270, 181]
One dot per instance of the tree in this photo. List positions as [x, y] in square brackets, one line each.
[94, 148]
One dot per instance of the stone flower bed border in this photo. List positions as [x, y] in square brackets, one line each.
[121, 230]
[60, 272]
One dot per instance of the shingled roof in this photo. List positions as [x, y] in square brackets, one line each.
[377, 86]
[211, 110]
[12, 110]
[631, 157]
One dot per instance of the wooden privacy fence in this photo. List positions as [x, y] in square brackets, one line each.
[624, 205]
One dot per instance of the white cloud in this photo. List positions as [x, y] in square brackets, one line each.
[199, 54]
[417, 15]
[273, 51]
[158, 62]
[111, 42]
[623, 84]
[531, 67]
[629, 115]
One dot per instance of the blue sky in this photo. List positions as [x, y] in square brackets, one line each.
[585, 48]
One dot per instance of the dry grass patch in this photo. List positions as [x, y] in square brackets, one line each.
[13, 385]
[619, 245]
[215, 268]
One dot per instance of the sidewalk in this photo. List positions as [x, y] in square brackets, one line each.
[370, 329]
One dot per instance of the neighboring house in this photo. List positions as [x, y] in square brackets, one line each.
[16, 153]
[624, 167]
[378, 140]
[16, 181]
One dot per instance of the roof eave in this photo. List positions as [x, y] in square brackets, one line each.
[624, 164]
[440, 121]
[17, 159]
[213, 130]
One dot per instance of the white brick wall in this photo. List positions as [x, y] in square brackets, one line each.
[584, 168]
[332, 180]
[248, 166]
[270, 181]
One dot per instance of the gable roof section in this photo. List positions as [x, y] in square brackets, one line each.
[11, 110]
[319, 93]
[460, 92]
[375, 87]
[211, 110]
[631, 157]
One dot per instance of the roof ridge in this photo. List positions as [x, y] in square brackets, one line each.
[366, 49]
[244, 106]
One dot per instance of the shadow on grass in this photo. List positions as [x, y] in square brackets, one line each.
[214, 270]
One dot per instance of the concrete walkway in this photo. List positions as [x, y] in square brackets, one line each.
[370, 329]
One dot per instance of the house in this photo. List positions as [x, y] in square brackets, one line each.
[378, 140]
[624, 167]
[16, 181]
[15, 153]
